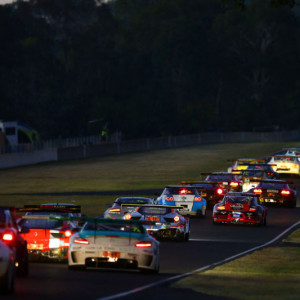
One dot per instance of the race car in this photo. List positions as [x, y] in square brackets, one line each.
[276, 192]
[288, 152]
[270, 173]
[251, 178]
[228, 181]
[169, 223]
[47, 238]
[241, 164]
[10, 235]
[185, 196]
[119, 209]
[109, 243]
[211, 191]
[283, 164]
[7, 268]
[240, 208]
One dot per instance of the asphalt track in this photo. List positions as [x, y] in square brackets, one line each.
[208, 244]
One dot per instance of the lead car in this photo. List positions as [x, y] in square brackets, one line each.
[106, 243]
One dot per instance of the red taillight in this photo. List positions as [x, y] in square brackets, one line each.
[221, 207]
[257, 191]
[176, 219]
[234, 184]
[128, 217]
[252, 209]
[68, 233]
[8, 237]
[270, 174]
[183, 192]
[220, 191]
[285, 192]
[197, 199]
[143, 244]
[114, 210]
[169, 199]
[81, 241]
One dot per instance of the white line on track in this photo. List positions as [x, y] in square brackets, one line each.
[144, 287]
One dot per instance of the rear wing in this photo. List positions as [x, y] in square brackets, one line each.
[152, 205]
[199, 182]
[51, 208]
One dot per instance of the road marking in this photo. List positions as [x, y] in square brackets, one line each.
[145, 287]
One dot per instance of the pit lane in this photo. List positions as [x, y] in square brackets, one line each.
[208, 245]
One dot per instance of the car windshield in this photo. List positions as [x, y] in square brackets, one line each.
[154, 210]
[95, 226]
[41, 224]
[286, 159]
[132, 201]
[238, 199]
[179, 191]
[273, 185]
[254, 174]
[258, 168]
[221, 177]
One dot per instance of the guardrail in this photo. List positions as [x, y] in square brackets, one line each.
[79, 148]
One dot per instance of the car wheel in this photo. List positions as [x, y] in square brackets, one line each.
[22, 269]
[187, 236]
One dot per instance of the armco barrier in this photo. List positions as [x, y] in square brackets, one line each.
[89, 150]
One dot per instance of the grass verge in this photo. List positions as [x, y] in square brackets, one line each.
[269, 273]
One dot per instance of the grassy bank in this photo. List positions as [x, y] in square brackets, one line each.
[269, 273]
[153, 169]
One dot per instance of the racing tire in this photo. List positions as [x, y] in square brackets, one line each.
[76, 268]
[8, 281]
[187, 237]
[23, 267]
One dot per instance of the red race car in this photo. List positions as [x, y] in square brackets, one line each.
[228, 181]
[240, 208]
[276, 192]
[47, 237]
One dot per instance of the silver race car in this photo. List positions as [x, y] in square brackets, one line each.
[111, 243]
[168, 222]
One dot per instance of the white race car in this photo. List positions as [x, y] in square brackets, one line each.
[283, 164]
[104, 243]
[7, 268]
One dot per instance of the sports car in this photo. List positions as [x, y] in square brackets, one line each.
[241, 164]
[240, 208]
[7, 268]
[270, 173]
[183, 195]
[251, 178]
[228, 181]
[169, 223]
[111, 243]
[10, 235]
[119, 209]
[211, 191]
[48, 238]
[283, 164]
[276, 192]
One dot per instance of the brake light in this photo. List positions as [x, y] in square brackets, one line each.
[252, 209]
[176, 219]
[183, 192]
[221, 207]
[197, 199]
[68, 233]
[220, 191]
[143, 244]
[8, 237]
[81, 241]
[114, 210]
[128, 217]
[234, 184]
[285, 192]
[270, 174]
[257, 191]
[296, 166]
[169, 199]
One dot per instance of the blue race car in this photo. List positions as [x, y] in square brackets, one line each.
[186, 196]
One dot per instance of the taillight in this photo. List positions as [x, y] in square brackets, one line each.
[143, 244]
[234, 184]
[81, 241]
[183, 192]
[197, 199]
[221, 207]
[252, 209]
[8, 237]
[114, 210]
[257, 191]
[270, 174]
[128, 217]
[220, 191]
[285, 192]
[176, 219]
[68, 233]
[169, 199]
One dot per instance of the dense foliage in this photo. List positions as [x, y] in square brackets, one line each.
[150, 67]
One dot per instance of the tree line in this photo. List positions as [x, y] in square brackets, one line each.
[150, 67]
